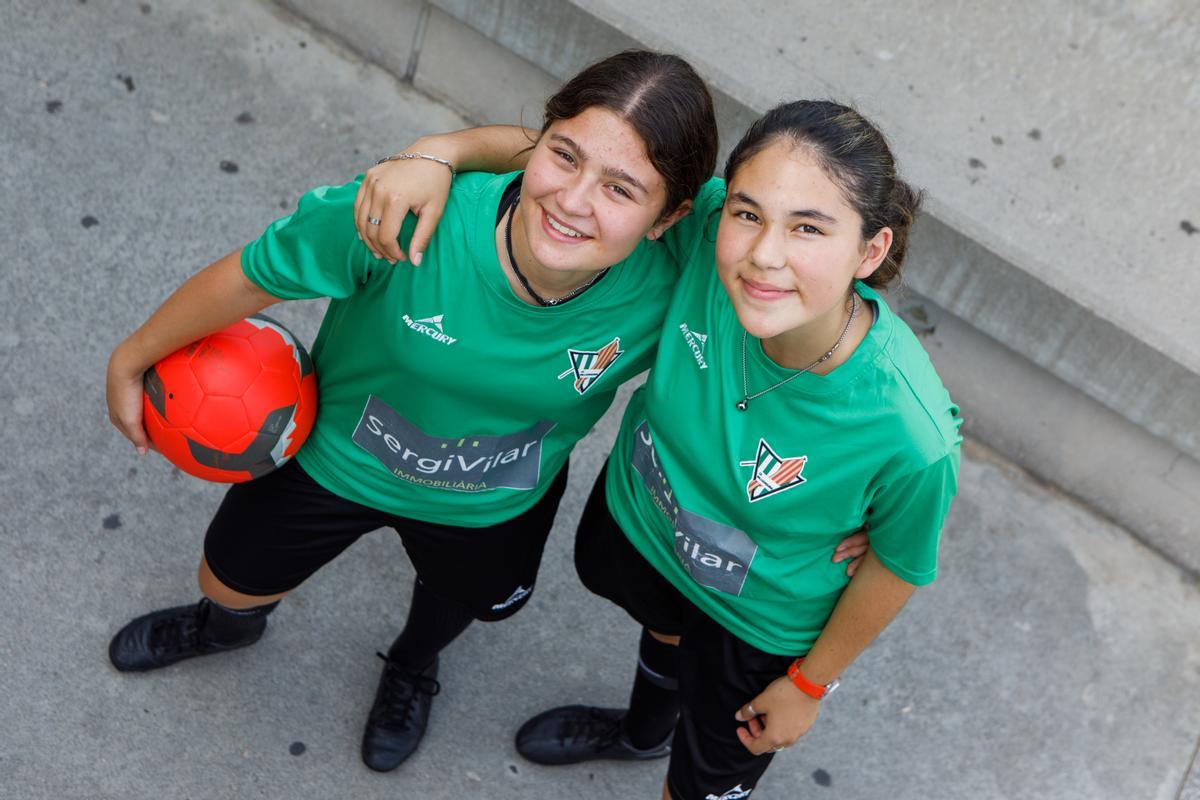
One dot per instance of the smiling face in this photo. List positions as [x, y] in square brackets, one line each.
[589, 195]
[788, 248]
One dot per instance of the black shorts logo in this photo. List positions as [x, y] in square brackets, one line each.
[714, 555]
[463, 464]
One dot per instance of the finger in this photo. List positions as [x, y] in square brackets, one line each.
[856, 540]
[368, 210]
[427, 222]
[362, 206]
[749, 711]
[131, 428]
[388, 230]
[852, 567]
[371, 237]
[755, 746]
[756, 727]
[359, 198]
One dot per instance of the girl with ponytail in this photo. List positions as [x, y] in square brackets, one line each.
[787, 407]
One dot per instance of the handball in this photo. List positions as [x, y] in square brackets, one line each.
[233, 406]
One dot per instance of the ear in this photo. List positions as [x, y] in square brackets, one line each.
[873, 253]
[666, 222]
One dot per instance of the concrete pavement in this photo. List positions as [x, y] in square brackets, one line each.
[1054, 658]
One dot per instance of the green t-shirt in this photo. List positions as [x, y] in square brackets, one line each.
[741, 510]
[444, 397]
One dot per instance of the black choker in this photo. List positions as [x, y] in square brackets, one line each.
[541, 301]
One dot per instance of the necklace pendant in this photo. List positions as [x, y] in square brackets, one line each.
[741, 405]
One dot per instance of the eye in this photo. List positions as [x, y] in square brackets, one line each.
[565, 156]
[748, 216]
[806, 228]
[620, 191]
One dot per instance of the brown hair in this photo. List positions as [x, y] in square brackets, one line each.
[664, 101]
[856, 156]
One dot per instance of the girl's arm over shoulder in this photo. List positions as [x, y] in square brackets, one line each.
[392, 189]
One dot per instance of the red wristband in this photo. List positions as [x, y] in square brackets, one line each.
[814, 690]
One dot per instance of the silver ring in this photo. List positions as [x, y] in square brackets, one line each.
[750, 708]
[373, 220]
[776, 749]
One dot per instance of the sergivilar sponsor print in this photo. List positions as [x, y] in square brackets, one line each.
[713, 554]
[467, 463]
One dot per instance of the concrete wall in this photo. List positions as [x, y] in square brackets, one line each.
[385, 32]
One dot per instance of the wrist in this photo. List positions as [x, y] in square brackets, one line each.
[816, 691]
[442, 145]
[124, 361]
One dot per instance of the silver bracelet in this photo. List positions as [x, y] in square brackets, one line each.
[409, 155]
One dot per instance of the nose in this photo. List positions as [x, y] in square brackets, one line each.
[768, 251]
[574, 198]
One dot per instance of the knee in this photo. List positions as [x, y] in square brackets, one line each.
[664, 638]
[212, 588]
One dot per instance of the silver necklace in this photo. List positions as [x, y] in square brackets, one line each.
[747, 397]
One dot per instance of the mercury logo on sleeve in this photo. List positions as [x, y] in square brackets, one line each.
[463, 464]
[714, 555]
[697, 342]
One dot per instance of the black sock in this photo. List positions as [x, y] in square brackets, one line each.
[234, 625]
[654, 701]
[432, 624]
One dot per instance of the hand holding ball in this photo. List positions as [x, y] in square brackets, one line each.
[234, 405]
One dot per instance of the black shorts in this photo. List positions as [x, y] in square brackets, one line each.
[718, 674]
[272, 533]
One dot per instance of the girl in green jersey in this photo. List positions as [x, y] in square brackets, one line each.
[448, 407]
[787, 406]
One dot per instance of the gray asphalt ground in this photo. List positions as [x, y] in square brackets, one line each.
[1054, 658]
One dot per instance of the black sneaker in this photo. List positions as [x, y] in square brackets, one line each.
[571, 734]
[162, 638]
[399, 715]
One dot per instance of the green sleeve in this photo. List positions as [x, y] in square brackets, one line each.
[315, 252]
[684, 236]
[905, 523]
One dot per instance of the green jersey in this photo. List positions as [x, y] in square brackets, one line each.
[741, 510]
[443, 397]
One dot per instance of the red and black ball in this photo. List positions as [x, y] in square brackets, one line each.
[234, 405]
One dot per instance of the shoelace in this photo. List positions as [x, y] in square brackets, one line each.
[177, 633]
[595, 727]
[401, 688]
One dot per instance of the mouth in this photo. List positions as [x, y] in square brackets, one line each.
[764, 291]
[560, 231]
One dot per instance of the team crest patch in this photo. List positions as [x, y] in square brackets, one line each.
[588, 365]
[736, 793]
[772, 473]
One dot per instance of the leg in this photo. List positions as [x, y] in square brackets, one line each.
[266, 538]
[463, 574]
[432, 624]
[212, 588]
[609, 566]
[654, 699]
[718, 674]
[400, 713]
